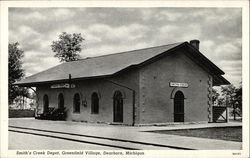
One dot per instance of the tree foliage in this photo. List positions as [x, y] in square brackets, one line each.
[68, 47]
[238, 97]
[228, 94]
[215, 95]
[15, 71]
[232, 97]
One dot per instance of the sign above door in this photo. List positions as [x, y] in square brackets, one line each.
[178, 84]
[63, 85]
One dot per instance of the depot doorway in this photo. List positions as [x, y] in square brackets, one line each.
[179, 107]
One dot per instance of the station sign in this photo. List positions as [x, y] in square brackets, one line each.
[63, 85]
[178, 84]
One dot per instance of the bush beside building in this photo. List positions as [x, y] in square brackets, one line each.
[18, 113]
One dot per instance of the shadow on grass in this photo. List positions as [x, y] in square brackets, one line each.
[221, 133]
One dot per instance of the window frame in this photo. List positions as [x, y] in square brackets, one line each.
[45, 100]
[95, 103]
[59, 100]
[74, 104]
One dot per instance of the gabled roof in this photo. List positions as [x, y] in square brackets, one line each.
[107, 65]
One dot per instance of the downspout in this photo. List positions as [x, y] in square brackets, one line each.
[66, 109]
[133, 101]
[69, 81]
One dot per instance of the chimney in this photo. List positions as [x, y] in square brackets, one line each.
[195, 43]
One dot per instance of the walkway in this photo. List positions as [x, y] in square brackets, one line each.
[126, 136]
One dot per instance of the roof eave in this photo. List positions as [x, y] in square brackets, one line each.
[220, 80]
[35, 84]
[216, 69]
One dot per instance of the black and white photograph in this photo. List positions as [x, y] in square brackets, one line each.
[125, 81]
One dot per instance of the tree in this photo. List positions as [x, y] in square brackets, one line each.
[15, 71]
[232, 96]
[228, 94]
[68, 47]
[215, 95]
[238, 98]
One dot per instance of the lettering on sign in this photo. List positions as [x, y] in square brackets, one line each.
[177, 84]
[63, 85]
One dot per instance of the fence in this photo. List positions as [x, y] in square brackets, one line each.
[220, 114]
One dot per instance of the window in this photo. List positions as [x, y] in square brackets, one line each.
[94, 103]
[76, 103]
[45, 103]
[60, 101]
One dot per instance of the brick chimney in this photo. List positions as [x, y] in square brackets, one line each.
[195, 43]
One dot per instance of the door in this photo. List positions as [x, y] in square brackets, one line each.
[179, 107]
[118, 107]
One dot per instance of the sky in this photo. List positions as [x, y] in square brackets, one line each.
[113, 30]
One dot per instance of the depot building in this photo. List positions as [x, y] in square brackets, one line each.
[169, 83]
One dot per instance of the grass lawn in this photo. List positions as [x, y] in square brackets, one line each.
[222, 133]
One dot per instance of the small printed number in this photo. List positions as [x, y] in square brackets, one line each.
[236, 153]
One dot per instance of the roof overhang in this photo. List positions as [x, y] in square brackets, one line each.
[220, 80]
[35, 84]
